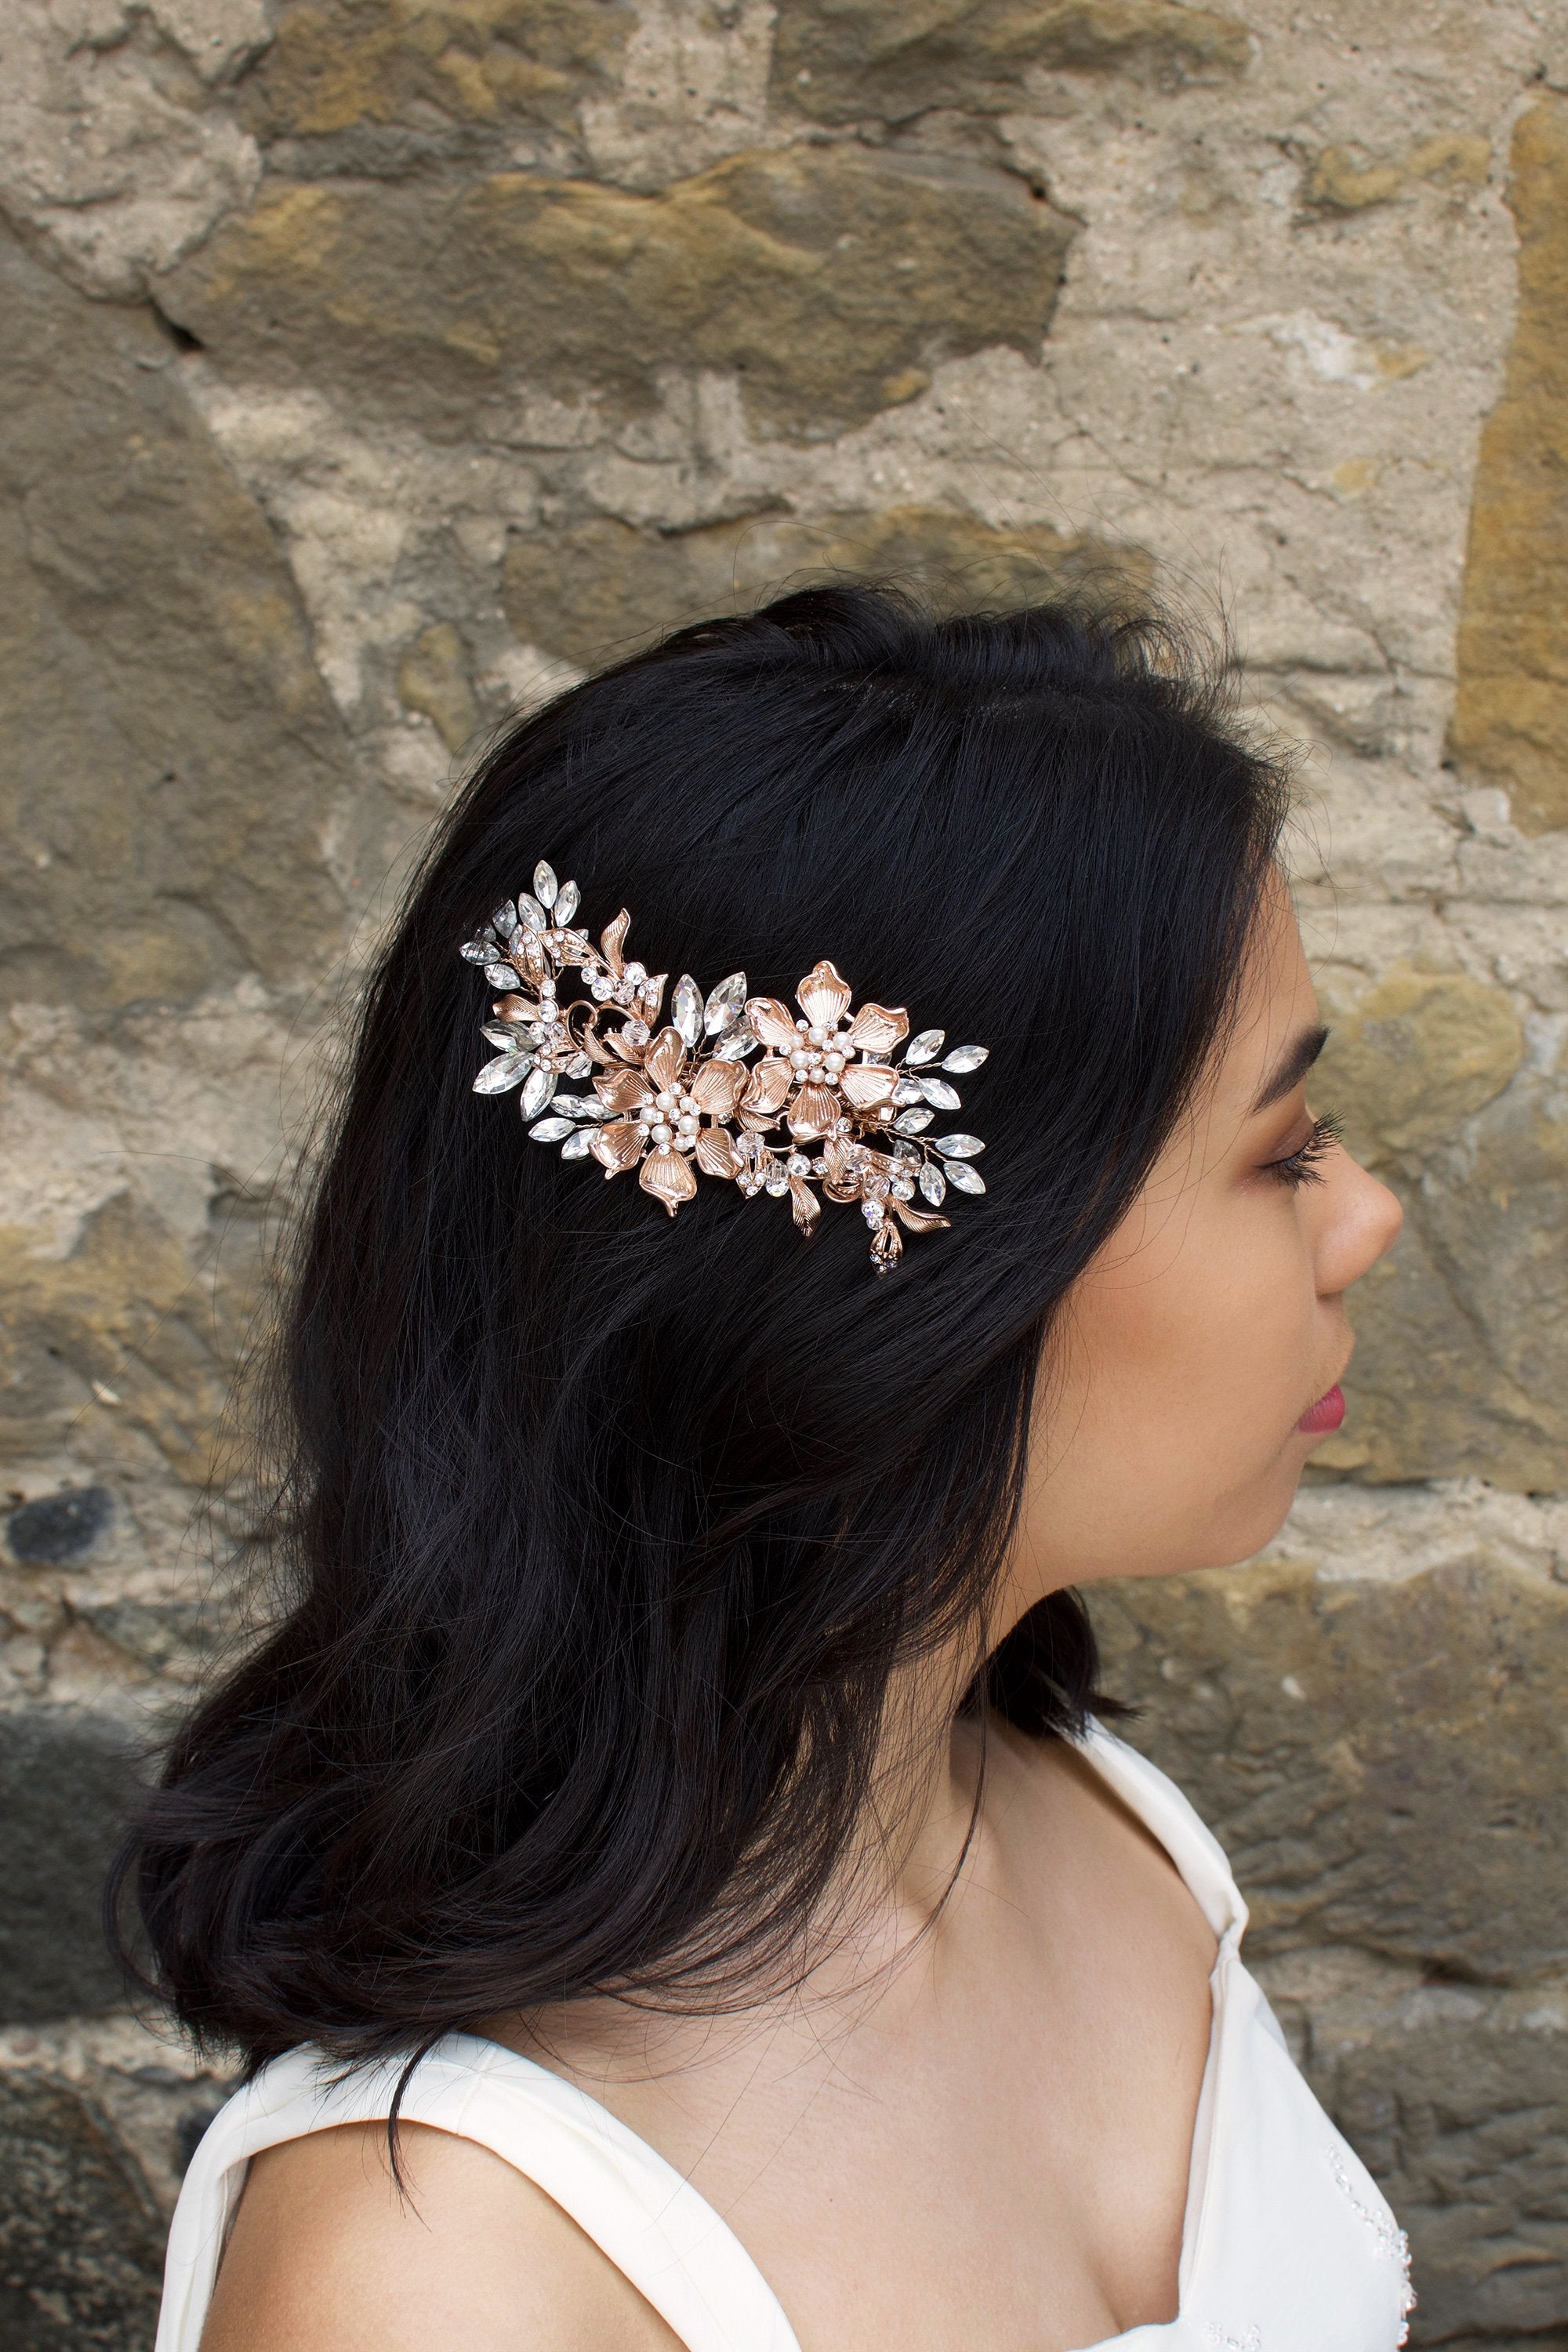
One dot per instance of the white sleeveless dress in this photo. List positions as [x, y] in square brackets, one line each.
[1287, 2245]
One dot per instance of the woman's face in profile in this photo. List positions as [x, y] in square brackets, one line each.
[1178, 1414]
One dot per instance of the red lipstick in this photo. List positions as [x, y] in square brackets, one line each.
[1326, 1415]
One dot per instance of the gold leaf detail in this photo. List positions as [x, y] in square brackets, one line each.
[612, 939]
[887, 1243]
[666, 1175]
[718, 1087]
[617, 1147]
[866, 1086]
[877, 1028]
[803, 1203]
[773, 1024]
[813, 1112]
[715, 1153]
[663, 1059]
[918, 1220]
[823, 995]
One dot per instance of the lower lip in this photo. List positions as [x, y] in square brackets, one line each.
[1326, 1415]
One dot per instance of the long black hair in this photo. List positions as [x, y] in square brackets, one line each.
[605, 1534]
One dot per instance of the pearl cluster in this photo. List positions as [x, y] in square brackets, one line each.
[672, 1117]
[822, 1052]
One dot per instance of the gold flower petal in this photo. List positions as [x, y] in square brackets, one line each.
[619, 1146]
[813, 1112]
[718, 1087]
[867, 1086]
[769, 1085]
[716, 1155]
[622, 1090]
[663, 1059]
[824, 994]
[666, 1175]
[877, 1028]
[803, 1203]
[773, 1021]
[612, 939]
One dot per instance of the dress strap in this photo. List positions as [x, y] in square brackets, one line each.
[1166, 1814]
[658, 2231]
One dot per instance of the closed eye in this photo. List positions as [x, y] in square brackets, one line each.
[1300, 1166]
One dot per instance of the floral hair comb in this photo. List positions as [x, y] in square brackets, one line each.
[825, 1105]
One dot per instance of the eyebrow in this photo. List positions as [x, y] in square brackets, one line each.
[1292, 1066]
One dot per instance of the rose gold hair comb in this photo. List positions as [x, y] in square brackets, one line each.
[667, 1100]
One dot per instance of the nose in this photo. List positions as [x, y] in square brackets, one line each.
[1361, 1224]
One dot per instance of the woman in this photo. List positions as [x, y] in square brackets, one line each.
[674, 1788]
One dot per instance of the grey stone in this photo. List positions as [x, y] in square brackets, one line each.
[175, 761]
[64, 1777]
[1382, 1760]
[80, 2239]
[59, 1528]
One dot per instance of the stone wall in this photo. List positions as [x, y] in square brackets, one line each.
[373, 365]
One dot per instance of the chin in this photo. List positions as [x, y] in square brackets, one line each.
[1247, 1528]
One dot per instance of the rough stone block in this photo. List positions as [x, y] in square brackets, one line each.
[1384, 1762]
[80, 2239]
[831, 279]
[1510, 717]
[65, 1777]
[173, 758]
[843, 61]
[593, 591]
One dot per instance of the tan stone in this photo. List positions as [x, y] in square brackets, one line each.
[1420, 1053]
[433, 677]
[592, 593]
[335, 64]
[1510, 715]
[840, 60]
[172, 756]
[1384, 1762]
[1336, 183]
[829, 279]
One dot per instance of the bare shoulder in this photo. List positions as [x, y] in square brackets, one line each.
[328, 2255]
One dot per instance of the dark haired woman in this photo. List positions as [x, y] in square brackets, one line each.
[674, 1789]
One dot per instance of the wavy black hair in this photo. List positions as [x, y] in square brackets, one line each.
[604, 1535]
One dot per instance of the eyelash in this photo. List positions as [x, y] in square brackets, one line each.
[1299, 1167]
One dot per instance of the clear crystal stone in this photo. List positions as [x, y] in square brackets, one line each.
[908, 1090]
[544, 884]
[531, 914]
[476, 951]
[776, 1181]
[635, 975]
[686, 1008]
[964, 1058]
[551, 1131]
[506, 1071]
[601, 987]
[568, 898]
[819, 1167]
[797, 1164]
[576, 1146]
[736, 1044]
[502, 975]
[581, 1066]
[925, 1047]
[910, 1122]
[908, 1153]
[537, 1090]
[636, 1033]
[966, 1178]
[726, 1004]
[959, 1147]
[938, 1091]
[502, 1033]
[933, 1184]
[903, 1189]
[873, 1212]
[504, 920]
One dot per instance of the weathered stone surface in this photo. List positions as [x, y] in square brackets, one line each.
[1462, 1336]
[1458, 2099]
[336, 64]
[1510, 717]
[1384, 1762]
[592, 591]
[841, 61]
[433, 677]
[59, 1527]
[830, 279]
[80, 2241]
[1337, 183]
[64, 1779]
[174, 761]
